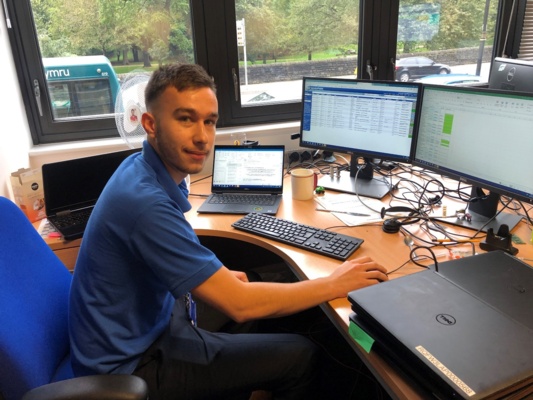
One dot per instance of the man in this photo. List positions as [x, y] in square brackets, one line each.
[130, 309]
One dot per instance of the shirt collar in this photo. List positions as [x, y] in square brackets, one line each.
[178, 193]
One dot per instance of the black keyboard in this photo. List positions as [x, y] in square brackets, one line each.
[306, 237]
[77, 218]
[253, 199]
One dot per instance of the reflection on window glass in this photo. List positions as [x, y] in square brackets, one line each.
[60, 99]
[130, 35]
[445, 42]
[281, 41]
[77, 99]
[93, 97]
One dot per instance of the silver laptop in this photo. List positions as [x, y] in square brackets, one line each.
[465, 332]
[246, 179]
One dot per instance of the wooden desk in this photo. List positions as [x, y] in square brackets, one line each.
[387, 249]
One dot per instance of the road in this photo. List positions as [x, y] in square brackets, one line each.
[291, 91]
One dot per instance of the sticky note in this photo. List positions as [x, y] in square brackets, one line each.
[362, 338]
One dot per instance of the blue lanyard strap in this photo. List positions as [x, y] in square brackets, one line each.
[190, 305]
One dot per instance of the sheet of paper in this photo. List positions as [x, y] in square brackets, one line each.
[351, 203]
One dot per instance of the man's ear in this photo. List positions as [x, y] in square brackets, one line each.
[149, 124]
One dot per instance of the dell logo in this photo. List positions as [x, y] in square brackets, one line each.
[445, 319]
[510, 74]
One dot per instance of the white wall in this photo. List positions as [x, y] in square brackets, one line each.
[17, 150]
[15, 137]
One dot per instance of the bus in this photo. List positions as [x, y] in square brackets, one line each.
[81, 86]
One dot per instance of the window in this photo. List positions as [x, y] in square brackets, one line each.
[261, 50]
[69, 91]
[257, 51]
[453, 38]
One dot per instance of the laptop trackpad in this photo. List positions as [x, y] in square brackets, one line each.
[236, 209]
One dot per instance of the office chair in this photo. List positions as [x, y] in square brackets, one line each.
[34, 340]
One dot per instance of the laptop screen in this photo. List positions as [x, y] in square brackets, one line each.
[75, 184]
[243, 168]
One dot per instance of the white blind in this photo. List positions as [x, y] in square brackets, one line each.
[525, 51]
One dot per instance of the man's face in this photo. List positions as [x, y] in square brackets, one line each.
[181, 128]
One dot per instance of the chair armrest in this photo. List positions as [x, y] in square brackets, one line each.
[97, 387]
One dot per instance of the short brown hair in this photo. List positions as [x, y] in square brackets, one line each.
[181, 76]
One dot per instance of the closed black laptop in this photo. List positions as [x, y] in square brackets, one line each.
[465, 331]
[72, 187]
[246, 179]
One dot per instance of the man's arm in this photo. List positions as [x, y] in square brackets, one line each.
[243, 301]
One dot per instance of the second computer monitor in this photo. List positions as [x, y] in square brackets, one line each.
[369, 119]
[480, 137]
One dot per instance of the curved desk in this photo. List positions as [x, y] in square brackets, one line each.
[386, 249]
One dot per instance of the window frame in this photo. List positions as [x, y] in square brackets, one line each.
[214, 37]
[221, 44]
[31, 78]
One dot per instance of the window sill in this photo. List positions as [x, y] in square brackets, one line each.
[266, 134]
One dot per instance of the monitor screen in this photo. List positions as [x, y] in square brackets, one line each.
[482, 137]
[369, 119]
[511, 74]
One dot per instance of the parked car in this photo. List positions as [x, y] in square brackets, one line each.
[453, 79]
[410, 68]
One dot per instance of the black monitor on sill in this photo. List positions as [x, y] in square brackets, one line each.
[481, 137]
[362, 118]
[511, 74]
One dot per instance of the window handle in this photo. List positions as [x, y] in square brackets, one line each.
[37, 94]
[6, 13]
[235, 84]
[370, 69]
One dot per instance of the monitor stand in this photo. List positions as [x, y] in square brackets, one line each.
[483, 210]
[365, 185]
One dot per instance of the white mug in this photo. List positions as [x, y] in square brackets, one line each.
[303, 183]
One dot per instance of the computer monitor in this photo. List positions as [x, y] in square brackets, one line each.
[482, 137]
[511, 74]
[368, 119]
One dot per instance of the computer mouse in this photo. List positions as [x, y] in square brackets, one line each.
[391, 225]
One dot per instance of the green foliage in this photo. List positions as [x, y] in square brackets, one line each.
[440, 24]
[159, 28]
[276, 30]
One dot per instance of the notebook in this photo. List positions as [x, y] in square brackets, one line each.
[464, 332]
[246, 179]
[72, 187]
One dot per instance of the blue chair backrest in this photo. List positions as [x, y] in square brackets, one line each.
[34, 288]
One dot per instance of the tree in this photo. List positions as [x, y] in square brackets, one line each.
[439, 25]
[263, 28]
[160, 27]
[319, 25]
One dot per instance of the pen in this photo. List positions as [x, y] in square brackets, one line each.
[344, 212]
[455, 241]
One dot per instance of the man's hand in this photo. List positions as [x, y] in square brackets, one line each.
[356, 274]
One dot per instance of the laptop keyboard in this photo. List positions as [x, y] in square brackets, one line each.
[77, 218]
[322, 241]
[252, 199]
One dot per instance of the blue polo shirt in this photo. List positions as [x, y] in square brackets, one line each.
[138, 255]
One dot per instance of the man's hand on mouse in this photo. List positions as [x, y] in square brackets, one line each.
[356, 274]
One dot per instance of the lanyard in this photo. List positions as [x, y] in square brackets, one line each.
[190, 306]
